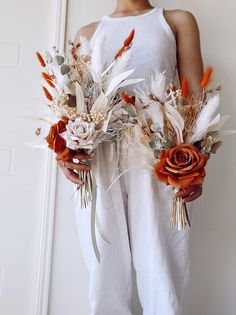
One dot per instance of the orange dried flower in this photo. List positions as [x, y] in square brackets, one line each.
[40, 58]
[46, 76]
[181, 166]
[50, 83]
[129, 39]
[184, 87]
[206, 78]
[65, 119]
[120, 52]
[48, 95]
[129, 99]
[126, 44]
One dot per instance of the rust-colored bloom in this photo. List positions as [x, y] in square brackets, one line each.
[51, 136]
[56, 142]
[181, 166]
[65, 155]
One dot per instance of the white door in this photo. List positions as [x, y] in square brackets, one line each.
[24, 29]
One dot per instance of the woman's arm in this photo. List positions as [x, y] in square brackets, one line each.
[87, 31]
[189, 57]
[190, 66]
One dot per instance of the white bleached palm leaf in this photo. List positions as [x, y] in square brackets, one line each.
[80, 101]
[113, 85]
[100, 104]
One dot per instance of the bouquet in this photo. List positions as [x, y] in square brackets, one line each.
[88, 106]
[182, 131]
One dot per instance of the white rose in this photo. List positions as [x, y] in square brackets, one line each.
[79, 134]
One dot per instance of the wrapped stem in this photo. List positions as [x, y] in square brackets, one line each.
[179, 216]
[85, 189]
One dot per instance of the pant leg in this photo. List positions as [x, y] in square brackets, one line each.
[110, 282]
[160, 254]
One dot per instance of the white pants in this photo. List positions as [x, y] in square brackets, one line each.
[135, 216]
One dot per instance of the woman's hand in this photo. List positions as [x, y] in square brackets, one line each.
[69, 168]
[190, 193]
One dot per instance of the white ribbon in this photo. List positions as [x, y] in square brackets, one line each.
[95, 223]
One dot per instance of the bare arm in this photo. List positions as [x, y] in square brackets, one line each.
[87, 31]
[190, 66]
[189, 57]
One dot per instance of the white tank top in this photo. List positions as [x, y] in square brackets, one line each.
[154, 45]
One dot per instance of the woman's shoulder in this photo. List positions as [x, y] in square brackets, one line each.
[179, 19]
[86, 30]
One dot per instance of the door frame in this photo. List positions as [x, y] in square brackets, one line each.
[41, 291]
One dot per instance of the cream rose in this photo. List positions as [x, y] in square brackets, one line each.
[79, 134]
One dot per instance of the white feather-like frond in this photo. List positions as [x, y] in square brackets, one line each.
[158, 84]
[176, 121]
[121, 64]
[205, 117]
[157, 88]
[85, 47]
[98, 63]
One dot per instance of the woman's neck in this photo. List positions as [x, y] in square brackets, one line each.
[131, 6]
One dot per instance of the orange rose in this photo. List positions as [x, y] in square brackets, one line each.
[181, 166]
[56, 142]
[65, 155]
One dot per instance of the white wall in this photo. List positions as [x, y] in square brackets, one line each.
[24, 28]
[213, 286]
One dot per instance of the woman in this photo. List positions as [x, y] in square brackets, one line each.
[135, 212]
